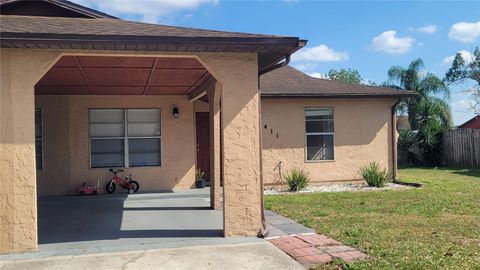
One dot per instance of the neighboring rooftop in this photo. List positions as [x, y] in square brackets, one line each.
[288, 82]
[473, 123]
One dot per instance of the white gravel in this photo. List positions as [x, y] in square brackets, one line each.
[337, 188]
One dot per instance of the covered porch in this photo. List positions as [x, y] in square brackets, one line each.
[93, 113]
[77, 96]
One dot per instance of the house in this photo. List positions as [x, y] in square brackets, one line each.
[473, 123]
[83, 91]
[328, 128]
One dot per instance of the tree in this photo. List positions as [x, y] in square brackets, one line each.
[345, 75]
[428, 114]
[464, 69]
[426, 85]
[406, 143]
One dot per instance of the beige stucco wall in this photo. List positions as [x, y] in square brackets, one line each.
[66, 143]
[18, 204]
[200, 106]
[362, 135]
[240, 151]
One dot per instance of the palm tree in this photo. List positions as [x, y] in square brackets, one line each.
[427, 85]
[428, 114]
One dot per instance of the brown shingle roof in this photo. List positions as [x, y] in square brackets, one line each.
[288, 82]
[114, 34]
[105, 27]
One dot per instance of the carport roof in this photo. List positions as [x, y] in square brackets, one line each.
[288, 82]
[115, 34]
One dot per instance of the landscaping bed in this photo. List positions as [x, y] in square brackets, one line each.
[337, 188]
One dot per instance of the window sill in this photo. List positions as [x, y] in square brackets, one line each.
[124, 168]
[320, 161]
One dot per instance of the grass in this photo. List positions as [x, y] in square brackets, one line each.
[433, 227]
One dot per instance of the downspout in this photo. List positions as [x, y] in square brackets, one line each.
[394, 141]
[265, 230]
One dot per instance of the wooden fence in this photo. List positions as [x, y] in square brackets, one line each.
[461, 148]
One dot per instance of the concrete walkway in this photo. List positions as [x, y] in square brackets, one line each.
[261, 255]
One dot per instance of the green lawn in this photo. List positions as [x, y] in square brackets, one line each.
[433, 227]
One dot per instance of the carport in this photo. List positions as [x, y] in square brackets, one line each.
[68, 66]
[72, 224]
[93, 113]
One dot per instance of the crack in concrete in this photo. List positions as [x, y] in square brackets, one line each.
[132, 261]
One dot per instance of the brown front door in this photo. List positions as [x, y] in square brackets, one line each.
[203, 143]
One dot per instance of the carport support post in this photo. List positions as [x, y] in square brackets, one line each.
[20, 71]
[214, 92]
[240, 101]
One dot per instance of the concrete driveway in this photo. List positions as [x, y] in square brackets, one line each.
[120, 222]
[259, 255]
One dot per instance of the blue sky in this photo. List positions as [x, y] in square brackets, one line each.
[367, 36]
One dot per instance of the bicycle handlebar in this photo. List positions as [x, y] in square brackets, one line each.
[115, 172]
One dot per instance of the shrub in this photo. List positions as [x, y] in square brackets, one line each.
[297, 179]
[199, 174]
[407, 141]
[374, 176]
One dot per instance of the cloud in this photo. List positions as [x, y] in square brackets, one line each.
[466, 55]
[389, 42]
[465, 31]
[428, 29]
[305, 66]
[463, 106]
[150, 11]
[320, 53]
[317, 75]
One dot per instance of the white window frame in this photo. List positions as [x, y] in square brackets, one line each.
[318, 133]
[39, 139]
[125, 137]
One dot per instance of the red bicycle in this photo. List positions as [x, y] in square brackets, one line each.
[128, 183]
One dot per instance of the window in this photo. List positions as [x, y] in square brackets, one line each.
[125, 137]
[319, 134]
[38, 139]
[144, 137]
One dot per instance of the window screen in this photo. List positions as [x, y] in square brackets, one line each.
[107, 138]
[144, 137]
[319, 127]
[125, 137]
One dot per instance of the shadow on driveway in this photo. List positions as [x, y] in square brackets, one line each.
[121, 216]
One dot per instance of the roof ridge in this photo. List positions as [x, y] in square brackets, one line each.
[355, 84]
[289, 82]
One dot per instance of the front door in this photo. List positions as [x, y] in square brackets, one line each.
[203, 143]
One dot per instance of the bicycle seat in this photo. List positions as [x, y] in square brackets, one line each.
[113, 171]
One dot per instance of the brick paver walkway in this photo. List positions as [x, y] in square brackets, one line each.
[312, 248]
